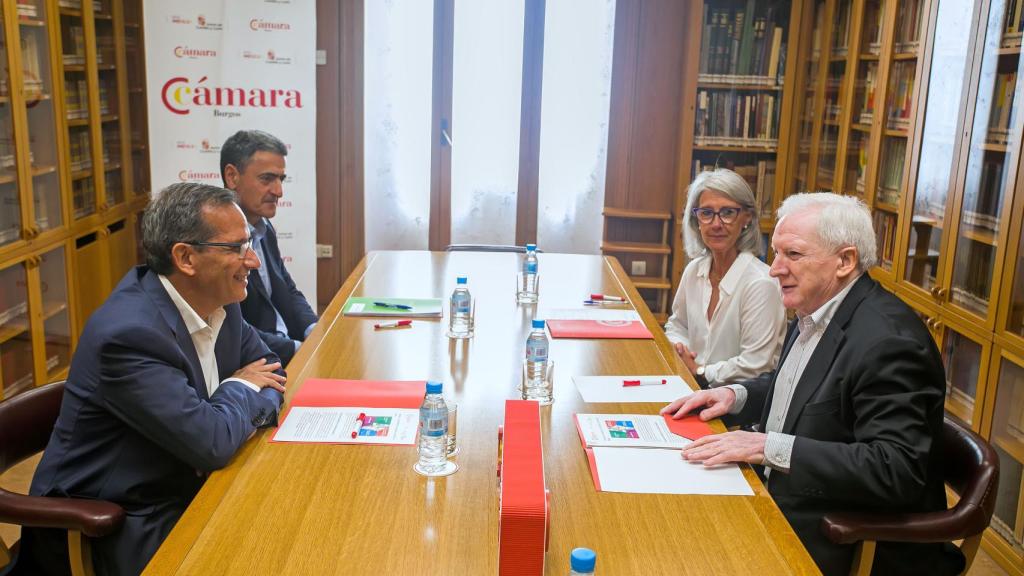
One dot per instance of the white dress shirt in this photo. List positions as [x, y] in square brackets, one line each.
[204, 337]
[778, 447]
[744, 336]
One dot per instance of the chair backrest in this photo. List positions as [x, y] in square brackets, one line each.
[26, 422]
[486, 248]
[972, 471]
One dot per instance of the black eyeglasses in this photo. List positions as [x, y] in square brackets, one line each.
[706, 215]
[242, 248]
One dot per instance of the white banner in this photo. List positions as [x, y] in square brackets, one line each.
[214, 67]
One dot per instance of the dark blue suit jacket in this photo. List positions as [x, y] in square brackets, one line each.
[137, 426]
[258, 307]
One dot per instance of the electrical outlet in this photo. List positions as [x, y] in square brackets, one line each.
[638, 268]
[324, 251]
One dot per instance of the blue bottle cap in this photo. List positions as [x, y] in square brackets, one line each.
[531, 246]
[538, 324]
[433, 387]
[460, 280]
[582, 560]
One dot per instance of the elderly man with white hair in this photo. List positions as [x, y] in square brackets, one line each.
[851, 418]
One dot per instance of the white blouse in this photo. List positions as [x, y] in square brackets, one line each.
[747, 327]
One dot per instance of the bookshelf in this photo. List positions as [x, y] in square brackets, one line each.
[746, 65]
[70, 204]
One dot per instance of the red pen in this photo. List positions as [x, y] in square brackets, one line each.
[645, 382]
[606, 297]
[359, 424]
[395, 324]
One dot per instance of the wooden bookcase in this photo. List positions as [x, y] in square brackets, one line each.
[70, 199]
[642, 236]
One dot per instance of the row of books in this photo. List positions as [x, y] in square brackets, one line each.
[867, 100]
[81, 156]
[76, 101]
[731, 118]
[97, 5]
[900, 101]
[841, 29]
[743, 44]
[908, 26]
[984, 199]
[885, 236]
[83, 196]
[981, 220]
[27, 9]
[73, 45]
[890, 179]
[872, 35]
[760, 176]
[31, 56]
[857, 164]
[972, 276]
[1002, 115]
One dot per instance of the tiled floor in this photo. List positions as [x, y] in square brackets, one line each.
[18, 478]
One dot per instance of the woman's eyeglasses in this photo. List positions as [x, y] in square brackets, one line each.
[727, 215]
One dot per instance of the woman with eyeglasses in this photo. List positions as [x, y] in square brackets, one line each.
[727, 320]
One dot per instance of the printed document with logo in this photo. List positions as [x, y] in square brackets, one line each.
[353, 412]
[627, 430]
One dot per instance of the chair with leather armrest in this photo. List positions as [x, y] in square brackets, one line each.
[486, 248]
[971, 469]
[26, 422]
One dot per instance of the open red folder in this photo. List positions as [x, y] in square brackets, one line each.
[598, 329]
[689, 426]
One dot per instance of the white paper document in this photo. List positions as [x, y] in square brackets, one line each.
[631, 388]
[349, 425]
[646, 471]
[588, 314]
[628, 430]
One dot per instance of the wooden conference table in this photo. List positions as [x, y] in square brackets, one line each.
[335, 509]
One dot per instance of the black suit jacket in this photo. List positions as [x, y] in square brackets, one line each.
[137, 426]
[258, 307]
[867, 416]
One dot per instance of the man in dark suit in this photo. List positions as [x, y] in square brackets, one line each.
[851, 418]
[252, 164]
[167, 383]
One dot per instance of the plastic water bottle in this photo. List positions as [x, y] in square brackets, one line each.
[581, 561]
[460, 317]
[538, 384]
[530, 270]
[433, 459]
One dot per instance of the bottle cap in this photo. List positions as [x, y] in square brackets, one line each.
[538, 324]
[531, 246]
[582, 560]
[433, 387]
[460, 280]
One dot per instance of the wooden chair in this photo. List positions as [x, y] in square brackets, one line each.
[971, 469]
[26, 422]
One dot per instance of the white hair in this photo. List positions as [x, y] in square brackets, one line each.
[842, 221]
[732, 186]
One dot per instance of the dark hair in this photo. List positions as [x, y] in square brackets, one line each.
[176, 215]
[240, 147]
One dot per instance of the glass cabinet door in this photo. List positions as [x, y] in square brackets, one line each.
[10, 201]
[938, 144]
[965, 361]
[995, 135]
[135, 69]
[838, 51]
[804, 179]
[1015, 305]
[56, 318]
[37, 89]
[76, 108]
[16, 359]
[864, 101]
[1007, 437]
[110, 111]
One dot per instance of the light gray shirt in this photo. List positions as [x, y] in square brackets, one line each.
[778, 447]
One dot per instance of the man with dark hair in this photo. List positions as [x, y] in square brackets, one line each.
[252, 165]
[167, 383]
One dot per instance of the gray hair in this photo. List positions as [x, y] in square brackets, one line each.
[732, 186]
[843, 221]
[239, 149]
[176, 215]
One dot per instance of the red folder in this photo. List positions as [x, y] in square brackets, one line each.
[524, 511]
[598, 329]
